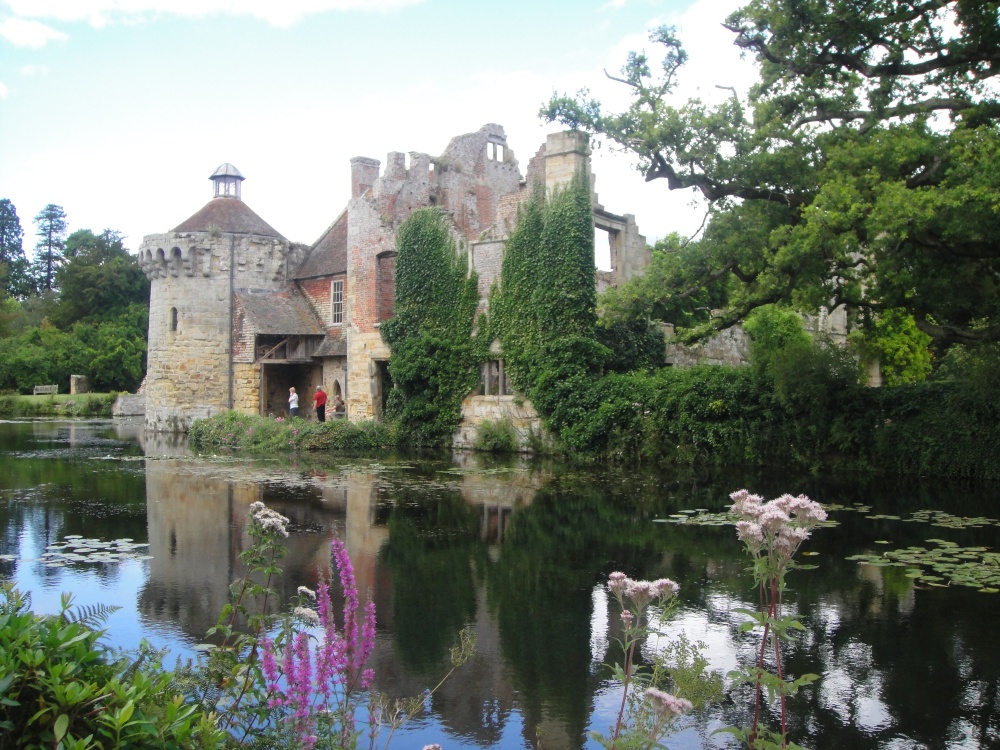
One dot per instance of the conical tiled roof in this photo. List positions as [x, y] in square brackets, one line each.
[230, 216]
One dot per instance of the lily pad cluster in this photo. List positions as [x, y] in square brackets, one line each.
[945, 564]
[76, 549]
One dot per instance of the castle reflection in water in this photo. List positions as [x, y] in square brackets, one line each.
[197, 515]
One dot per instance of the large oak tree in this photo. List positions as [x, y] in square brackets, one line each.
[863, 168]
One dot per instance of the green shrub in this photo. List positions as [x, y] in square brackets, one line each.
[60, 687]
[496, 437]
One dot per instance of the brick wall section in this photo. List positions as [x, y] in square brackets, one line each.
[317, 291]
[386, 286]
[244, 335]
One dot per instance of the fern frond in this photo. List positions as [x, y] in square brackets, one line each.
[91, 616]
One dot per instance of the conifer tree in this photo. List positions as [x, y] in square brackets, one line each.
[50, 226]
[14, 277]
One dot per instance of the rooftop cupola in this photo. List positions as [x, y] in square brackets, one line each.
[227, 179]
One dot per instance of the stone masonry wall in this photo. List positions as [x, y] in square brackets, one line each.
[478, 409]
[246, 388]
[192, 278]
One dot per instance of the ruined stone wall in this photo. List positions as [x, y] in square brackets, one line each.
[487, 261]
[730, 347]
[476, 172]
[191, 316]
[478, 409]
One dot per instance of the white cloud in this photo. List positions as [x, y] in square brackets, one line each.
[33, 34]
[102, 12]
[3, 90]
[34, 70]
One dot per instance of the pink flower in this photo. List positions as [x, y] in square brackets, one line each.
[667, 705]
[616, 583]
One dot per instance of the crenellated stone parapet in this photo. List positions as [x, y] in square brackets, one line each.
[260, 262]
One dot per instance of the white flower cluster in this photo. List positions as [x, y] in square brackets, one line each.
[268, 519]
[641, 593]
[308, 616]
[778, 526]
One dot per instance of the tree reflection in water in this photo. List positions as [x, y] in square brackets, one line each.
[522, 553]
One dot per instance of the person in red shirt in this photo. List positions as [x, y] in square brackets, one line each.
[320, 401]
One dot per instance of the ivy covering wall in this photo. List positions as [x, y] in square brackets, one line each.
[801, 402]
[435, 358]
[544, 311]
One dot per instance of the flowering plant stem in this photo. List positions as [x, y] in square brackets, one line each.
[648, 722]
[772, 533]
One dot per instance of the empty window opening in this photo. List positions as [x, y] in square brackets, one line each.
[602, 249]
[495, 151]
[337, 302]
[493, 379]
[173, 319]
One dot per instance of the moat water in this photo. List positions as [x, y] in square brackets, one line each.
[522, 552]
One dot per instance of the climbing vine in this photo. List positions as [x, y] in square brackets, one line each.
[435, 357]
[544, 311]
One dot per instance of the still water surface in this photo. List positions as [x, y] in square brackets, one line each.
[521, 552]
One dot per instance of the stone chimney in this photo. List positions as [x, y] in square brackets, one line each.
[364, 172]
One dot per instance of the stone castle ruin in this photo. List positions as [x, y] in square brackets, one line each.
[239, 314]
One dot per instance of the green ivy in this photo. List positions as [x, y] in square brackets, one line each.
[544, 311]
[435, 357]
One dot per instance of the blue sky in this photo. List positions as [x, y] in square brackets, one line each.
[119, 110]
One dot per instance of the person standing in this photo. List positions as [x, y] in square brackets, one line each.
[293, 403]
[320, 401]
[338, 405]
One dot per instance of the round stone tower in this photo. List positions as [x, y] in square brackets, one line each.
[194, 270]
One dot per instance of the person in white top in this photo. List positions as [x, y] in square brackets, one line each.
[293, 403]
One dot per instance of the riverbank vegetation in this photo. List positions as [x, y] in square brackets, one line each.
[15, 406]
[84, 311]
[256, 435]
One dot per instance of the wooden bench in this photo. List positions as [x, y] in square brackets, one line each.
[41, 390]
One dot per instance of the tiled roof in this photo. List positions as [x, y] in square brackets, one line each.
[328, 256]
[280, 313]
[332, 348]
[228, 215]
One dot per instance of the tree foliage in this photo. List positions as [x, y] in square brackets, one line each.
[50, 228]
[15, 280]
[435, 359]
[99, 280]
[863, 168]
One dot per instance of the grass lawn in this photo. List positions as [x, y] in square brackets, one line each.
[58, 405]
